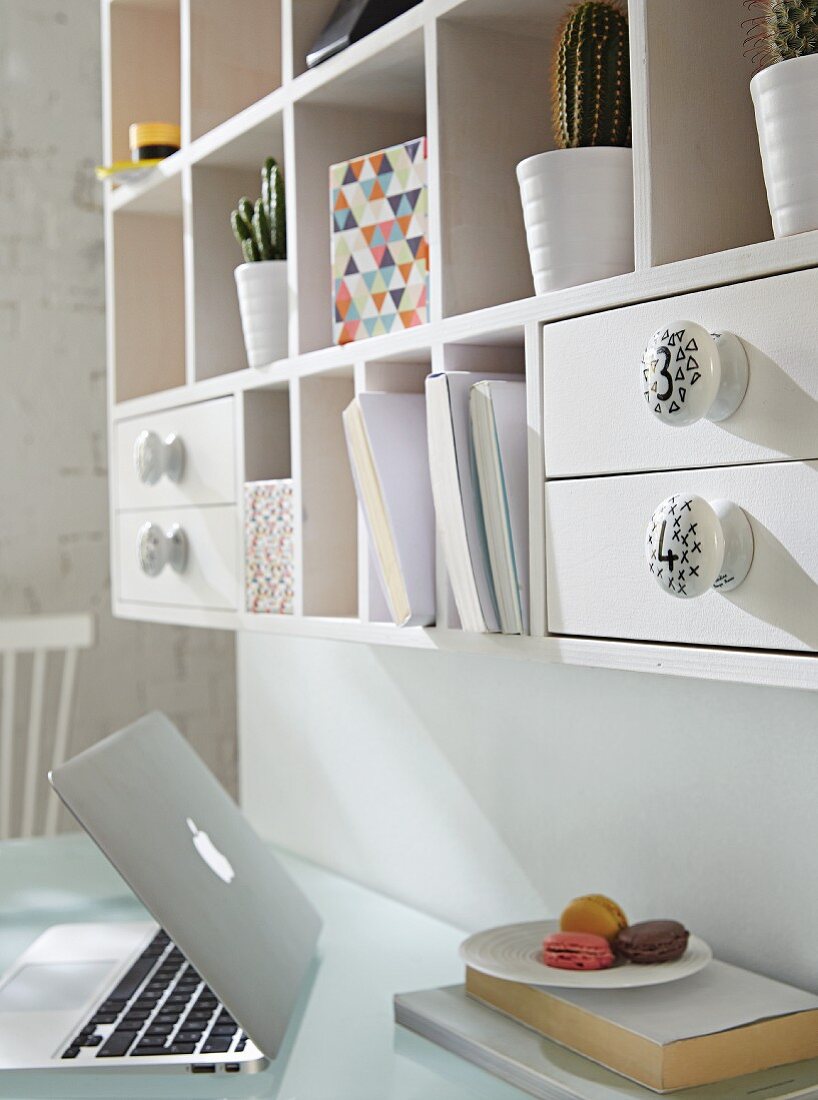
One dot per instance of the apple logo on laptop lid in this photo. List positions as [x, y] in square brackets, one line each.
[218, 863]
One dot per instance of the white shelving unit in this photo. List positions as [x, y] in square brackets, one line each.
[473, 76]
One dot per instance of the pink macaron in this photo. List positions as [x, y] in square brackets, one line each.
[577, 951]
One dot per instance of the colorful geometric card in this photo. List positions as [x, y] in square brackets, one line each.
[269, 566]
[380, 247]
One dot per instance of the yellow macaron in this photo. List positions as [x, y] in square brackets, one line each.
[596, 914]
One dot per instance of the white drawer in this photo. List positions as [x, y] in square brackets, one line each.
[210, 577]
[599, 583]
[209, 465]
[596, 418]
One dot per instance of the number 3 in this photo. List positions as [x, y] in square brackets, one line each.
[665, 373]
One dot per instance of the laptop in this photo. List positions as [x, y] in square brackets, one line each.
[211, 984]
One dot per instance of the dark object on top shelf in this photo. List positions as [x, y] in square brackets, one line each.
[351, 21]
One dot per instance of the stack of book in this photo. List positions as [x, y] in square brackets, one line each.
[454, 462]
[721, 1034]
[386, 440]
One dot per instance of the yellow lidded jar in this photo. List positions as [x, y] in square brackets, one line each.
[153, 140]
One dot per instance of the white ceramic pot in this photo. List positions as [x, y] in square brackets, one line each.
[578, 210]
[785, 97]
[263, 305]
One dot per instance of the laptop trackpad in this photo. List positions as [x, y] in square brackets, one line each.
[50, 987]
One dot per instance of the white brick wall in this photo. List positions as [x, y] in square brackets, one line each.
[53, 462]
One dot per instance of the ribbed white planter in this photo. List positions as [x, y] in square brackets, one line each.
[262, 288]
[785, 97]
[578, 210]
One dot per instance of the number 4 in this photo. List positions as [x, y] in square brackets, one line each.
[669, 557]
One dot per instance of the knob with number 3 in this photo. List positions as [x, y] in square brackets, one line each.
[692, 545]
[690, 374]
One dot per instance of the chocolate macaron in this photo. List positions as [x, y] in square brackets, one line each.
[652, 941]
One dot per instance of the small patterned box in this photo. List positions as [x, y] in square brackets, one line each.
[268, 535]
[380, 249]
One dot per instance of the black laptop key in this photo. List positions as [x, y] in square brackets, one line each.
[181, 1048]
[219, 1044]
[155, 1038]
[132, 980]
[90, 1041]
[106, 1017]
[72, 1052]
[118, 1043]
[161, 1025]
[242, 1043]
[224, 1029]
[186, 1035]
[135, 1017]
[146, 1050]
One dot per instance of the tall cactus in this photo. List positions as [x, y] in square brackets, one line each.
[782, 30]
[591, 77]
[261, 229]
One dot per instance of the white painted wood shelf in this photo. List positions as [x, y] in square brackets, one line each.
[472, 75]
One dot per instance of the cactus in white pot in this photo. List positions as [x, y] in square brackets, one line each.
[782, 41]
[578, 198]
[260, 229]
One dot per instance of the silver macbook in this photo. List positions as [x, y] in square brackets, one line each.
[211, 986]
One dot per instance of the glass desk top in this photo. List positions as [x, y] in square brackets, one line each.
[343, 1045]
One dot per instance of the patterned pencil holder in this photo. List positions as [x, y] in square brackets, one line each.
[380, 248]
[269, 570]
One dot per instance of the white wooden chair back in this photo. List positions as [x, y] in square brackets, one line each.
[38, 636]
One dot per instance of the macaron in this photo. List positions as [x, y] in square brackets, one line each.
[577, 951]
[596, 914]
[652, 941]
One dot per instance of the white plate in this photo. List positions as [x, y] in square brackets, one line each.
[514, 952]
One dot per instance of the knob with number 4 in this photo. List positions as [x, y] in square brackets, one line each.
[153, 457]
[157, 548]
[692, 545]
[690, 374]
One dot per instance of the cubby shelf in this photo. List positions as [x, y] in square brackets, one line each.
[472, 76]
[505, 324]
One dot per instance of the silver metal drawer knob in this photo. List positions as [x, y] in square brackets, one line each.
[692, 545]
[690, 374]
[153, 457]
[157, 548]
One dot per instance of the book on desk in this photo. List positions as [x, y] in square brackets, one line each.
[721, 1034]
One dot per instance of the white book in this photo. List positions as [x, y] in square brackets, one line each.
[455, 497]
[451, 1019]
[500, 443]
[386, 441]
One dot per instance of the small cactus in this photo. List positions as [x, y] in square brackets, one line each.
[261, 229]
[782, 30]
[591, 77]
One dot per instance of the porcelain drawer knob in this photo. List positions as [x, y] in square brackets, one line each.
[158, 548]
[692, 545]
[153, 456]
[690, 374]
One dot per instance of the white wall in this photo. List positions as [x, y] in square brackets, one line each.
[53, 461]
[486, 791]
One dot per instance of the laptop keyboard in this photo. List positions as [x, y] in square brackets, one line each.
[160, 1007]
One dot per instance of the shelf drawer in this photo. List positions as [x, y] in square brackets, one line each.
[598, 422]
[210, 578]
[600, 585]
[208, 474]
